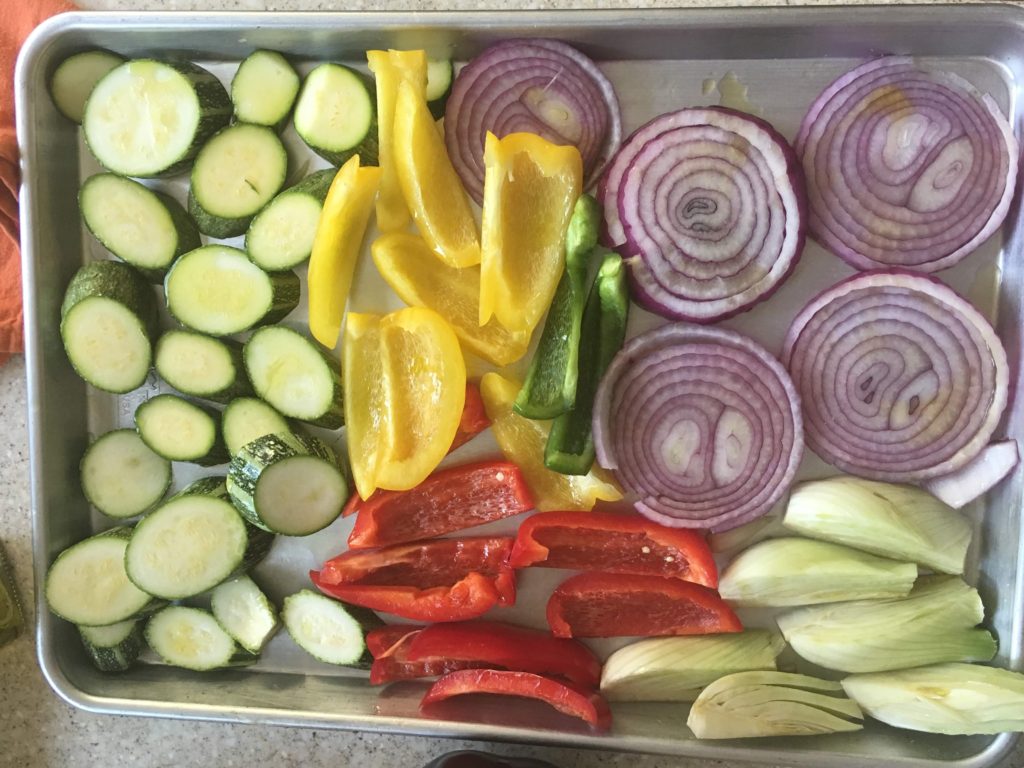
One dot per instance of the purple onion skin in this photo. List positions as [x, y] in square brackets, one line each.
[630, 251]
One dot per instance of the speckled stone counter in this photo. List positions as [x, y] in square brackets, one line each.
[39, 729]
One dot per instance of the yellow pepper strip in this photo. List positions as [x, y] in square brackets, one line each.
[424, 393]
[530, 188]
[336, 247]
[391, 68]
[432, 189]
[522, 441]
[362, 375]
[420, 280]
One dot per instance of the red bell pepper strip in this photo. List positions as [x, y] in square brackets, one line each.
[589, 706]
[507, 646]
[394, 664]
[474, 417]
[613, 544]
[441, 580]
[617, 605]
[474, 421]
[380, 640]
[449, 500]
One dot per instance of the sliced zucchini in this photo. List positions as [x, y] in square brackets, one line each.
[202, 366]
[281, 235]
[88, 585]
[236, 173]
[264, 88]
[287, 484]
[440, 76]
[217, 290]
[336, 114]
[328, 630]
[293, 373]
[192, 543]
[247, 418]
[122, 476]
[75, 78]
[149, 118]
[180, 430]
[192, 638]
[146, 229]
[108, 323]
[114, 648]
[245, 612]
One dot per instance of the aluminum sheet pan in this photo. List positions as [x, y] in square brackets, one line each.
[658, 60]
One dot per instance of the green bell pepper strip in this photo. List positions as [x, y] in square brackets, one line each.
[550, 386]
[570, 446]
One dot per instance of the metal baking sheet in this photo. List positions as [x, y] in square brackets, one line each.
[658, 60]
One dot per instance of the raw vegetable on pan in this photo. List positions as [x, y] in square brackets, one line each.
[636, 431]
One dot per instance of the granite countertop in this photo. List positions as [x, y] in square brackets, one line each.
[39, 729]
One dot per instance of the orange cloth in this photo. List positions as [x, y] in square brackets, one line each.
[18, 19]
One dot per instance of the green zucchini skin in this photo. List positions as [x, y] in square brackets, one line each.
[118, 657]
[287, 290]
[315, 184]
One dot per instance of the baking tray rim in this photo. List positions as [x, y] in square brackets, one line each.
[552, 19]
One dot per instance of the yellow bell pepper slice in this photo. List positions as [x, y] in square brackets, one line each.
[433, 191]
[530, 188]
[336, 247]
[362, 377]
[522, 441]
[424, 392]
[406, 263]
[391, 69]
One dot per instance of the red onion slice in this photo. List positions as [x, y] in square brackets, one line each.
[707, 205]
[980, 475]
[701, 425]
[536, 86]
[905, 168]
[901, 379]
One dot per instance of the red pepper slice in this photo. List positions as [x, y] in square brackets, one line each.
[474, 417]
[380, 640]
[617, 605]
[441, 580]
[588, 706]
[495, 644]
[474, 421]
[394, 663]
[613, 544]
[449, 500]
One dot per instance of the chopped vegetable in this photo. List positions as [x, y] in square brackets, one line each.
[570, 447]
[450, 500]
[264, 89]
[906, 168]
[701, 424]
[677, 668]
[363, 369]
[522, 441]
[336, 114]
[708, 203]
[328, 630]
[980, 475]
[75, 78]
[550, 386]
[382, 639]
[246, 614]
[944, 698]
[122, 476]
[897, 521]
[748, 534]
[586, 705]
[116, 647]
[530, 191]
[430, 185]
[181, 430]
[474, 416]
[191, 638]
[439, 580]
[753, 704]
[393, 663]
[901, 378]
[391, 69]
[440, 75]
[618, 605]
[336, 246]
[540, 86]
[933, 624]
[506, 646]
[202, 366]
[281, 236]
[421, 280]
[613, 544]
[247, 418]
[793, 571]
